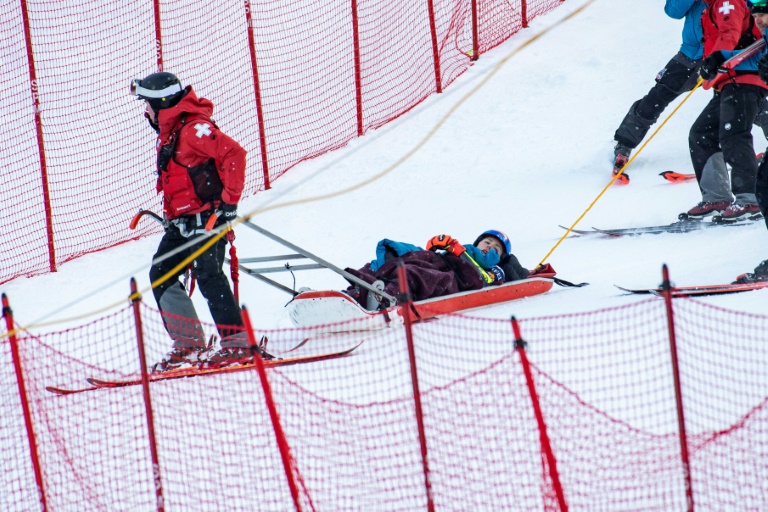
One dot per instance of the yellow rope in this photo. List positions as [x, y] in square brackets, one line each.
[337, 193]
[618, 174]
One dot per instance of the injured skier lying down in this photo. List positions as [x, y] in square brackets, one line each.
[445, 267]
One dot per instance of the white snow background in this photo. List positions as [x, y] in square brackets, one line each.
[521, 142]
[521, 151]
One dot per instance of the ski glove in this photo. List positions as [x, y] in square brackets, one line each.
[762, 67]
[498, 275]
[711, 64]
[228, 211]
[446, 243]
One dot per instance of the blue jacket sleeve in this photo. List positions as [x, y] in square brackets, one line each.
[749, 64]
[677, 9]
[391, 246]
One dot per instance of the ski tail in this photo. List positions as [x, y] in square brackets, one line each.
[677, 177]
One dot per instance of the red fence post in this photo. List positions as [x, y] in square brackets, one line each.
[35, 88]
[358, 79]
[257, 91]
[666, 287]
[158, 36]
[282, 442]
[546, 447]
[405, 302]
[435, 52]
[524, 12]
[8, 315]
[136, 301]
[475, 42]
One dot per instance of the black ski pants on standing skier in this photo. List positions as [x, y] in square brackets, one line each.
[725, 126]
[680, 75]
[179, 315]
[761, 188]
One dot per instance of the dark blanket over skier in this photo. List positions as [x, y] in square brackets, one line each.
[447, 268]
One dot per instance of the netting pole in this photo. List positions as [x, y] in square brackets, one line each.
[546, 447]
[475, 42]
[358, 72]
[8, 315]
[34, 88]
[158, 36]
[405, 302]
[524, 12]
[435, 52]
[257, 92]
[666, 287]
[157, 479]
[282, 442]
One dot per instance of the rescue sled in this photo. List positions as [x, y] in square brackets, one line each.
[312, 308]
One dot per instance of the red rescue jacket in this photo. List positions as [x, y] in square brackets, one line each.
[207, 166]
[728, 25]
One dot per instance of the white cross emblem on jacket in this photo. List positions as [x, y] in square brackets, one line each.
[726, 8]
[202, 129]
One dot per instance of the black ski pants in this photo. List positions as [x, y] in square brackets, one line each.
[725, 125]
[761, 187]
[680, 75]
[207, 269]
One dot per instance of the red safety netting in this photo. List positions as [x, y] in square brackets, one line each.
[586, 420]
[81, 151]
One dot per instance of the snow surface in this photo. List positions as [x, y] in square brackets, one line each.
[521, 142]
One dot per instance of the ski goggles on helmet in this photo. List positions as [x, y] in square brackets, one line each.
[143, 93]
[758, 6]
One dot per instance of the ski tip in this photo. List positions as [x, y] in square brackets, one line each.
[629, 291]
[676, 177]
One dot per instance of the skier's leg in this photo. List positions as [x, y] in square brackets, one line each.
[761, 188]
[215, 287]
[761, 119]
[706, 156]
[677, 77]
[739, 106]
[179, 316]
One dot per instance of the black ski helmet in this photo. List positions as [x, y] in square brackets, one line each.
[161, 90]
[758, 6]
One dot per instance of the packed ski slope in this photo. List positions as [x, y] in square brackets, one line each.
[522, 142]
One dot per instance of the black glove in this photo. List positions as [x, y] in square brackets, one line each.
[762, 68]
[710, 65]
[228, 211]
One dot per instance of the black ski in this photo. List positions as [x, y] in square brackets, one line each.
[681, 226]
[693, 291]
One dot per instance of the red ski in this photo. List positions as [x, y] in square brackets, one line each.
[694, 291]
[677, 177]
[197, 372]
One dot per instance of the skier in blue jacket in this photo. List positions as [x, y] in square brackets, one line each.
[678, 76]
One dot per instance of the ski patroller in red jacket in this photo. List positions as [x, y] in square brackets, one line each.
[728, 25]
[198, 142]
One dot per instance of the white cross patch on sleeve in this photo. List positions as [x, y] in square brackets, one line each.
[202, 129]
[726, 8]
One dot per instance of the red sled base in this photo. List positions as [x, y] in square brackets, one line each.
[313, 308]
